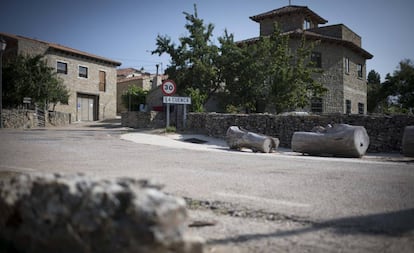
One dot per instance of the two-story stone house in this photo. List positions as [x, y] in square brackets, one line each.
[338, 53]
[91, 79]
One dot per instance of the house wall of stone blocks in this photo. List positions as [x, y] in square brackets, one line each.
[340, 31]
[331, 77]
[104, 99]
[86, 86]
[28, 47]
[341, 86]
[286, 23]
[338, 46]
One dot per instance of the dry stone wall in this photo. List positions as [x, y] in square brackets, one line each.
[385, 132]
[136, 119]
[22, 118]
[18, 119]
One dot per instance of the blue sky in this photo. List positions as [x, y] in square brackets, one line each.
[126, 30]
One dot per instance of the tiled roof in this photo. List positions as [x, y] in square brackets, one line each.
[316, 36]
[126, 71]
[289, 10]
[140, 78]
[132, 78]
[69, 50]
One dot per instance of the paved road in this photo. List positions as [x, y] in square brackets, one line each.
[335, 199]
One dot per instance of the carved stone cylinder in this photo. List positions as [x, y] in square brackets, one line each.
[408, 141]
[238, 138]
[340, 140]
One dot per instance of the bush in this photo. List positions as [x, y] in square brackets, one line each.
[171, 129]
[133, 97]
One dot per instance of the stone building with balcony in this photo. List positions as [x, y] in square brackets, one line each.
[91, 79]
[338, 53]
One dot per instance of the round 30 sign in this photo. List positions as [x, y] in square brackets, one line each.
[168, 87]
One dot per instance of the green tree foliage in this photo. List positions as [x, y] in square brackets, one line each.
[133, 97]
[30, 76]
[236, 63]
[400, 85]
[267, 72]
[396, 94]
[255, 74]
[197, 99]
[375, 97]
[373, 77]
[193, 60]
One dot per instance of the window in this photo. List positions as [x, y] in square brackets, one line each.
[62, 67]
[316, 58]
[316, 105]
[359, 69]
[348, 106]
[83, 72]
[347, 65]
[361, 108]
[102, 81]
[306, 24]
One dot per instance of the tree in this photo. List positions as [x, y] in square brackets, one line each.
[197, 99]
[401, 85]
[236, 66]
[255, 74]
[193, 61]
[30, 76]
[373, 77]
[268, 72]
[375, 96]
[133, 97]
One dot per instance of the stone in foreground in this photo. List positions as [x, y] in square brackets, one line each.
[55, 213]
[341, 140]
[238, 138]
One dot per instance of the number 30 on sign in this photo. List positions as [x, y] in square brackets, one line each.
[168, 87]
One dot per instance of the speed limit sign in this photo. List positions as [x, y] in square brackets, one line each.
[168, 87]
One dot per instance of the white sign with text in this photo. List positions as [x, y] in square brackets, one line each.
[177, 100]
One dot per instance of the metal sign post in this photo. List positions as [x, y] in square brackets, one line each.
[168, 87]
[177, 101]
[168, 116]
[27, 101]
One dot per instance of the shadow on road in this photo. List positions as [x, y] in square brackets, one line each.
[107, 124]
[393, 224]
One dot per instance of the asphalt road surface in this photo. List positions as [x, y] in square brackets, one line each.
[241, 201]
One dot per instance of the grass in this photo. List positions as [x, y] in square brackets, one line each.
[171, 129]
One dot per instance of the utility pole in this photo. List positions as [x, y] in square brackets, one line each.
[155, 82]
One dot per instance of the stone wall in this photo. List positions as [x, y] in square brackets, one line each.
[385, 132]
[58, 119]
[18, 118]
[22, 118]
[154, 119]
[138, 119]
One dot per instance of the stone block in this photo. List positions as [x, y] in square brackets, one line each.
[57, 213]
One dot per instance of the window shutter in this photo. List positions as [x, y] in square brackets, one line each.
[102, 81]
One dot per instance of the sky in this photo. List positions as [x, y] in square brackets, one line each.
[126, 30]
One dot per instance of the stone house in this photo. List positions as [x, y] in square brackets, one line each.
[338, 54]
[130, 76]
[91, 79]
